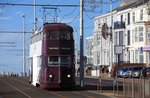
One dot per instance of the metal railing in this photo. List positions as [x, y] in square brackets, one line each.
[128, 87]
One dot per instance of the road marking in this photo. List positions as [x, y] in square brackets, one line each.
[16, 89]
[95, 92]
[83, 94]
[57, 94]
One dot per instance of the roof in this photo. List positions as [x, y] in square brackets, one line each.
[135, 4]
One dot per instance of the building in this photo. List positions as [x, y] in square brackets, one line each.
[89, 50]
[130, 35]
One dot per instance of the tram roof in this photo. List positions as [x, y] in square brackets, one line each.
[53, 26]
[57, 26]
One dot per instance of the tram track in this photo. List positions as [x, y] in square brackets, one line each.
[57, 93]
[18, 90]
[27, 90]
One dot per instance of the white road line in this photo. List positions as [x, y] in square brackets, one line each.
[16, 88]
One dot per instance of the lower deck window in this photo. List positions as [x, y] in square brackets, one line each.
[65, 60]
[62, 60]
[53, 60]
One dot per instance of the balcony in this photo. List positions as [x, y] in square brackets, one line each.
[119, 25]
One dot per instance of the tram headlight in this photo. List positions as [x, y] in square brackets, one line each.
[68, 76]
[50, 76]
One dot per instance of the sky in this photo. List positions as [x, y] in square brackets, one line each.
[11, 20]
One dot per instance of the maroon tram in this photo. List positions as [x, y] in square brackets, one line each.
[56, 58]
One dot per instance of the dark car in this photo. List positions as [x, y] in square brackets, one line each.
[124, 72]
[148, 72]
[135, 71]
[119, 72]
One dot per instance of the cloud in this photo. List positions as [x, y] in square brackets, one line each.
[5, 18]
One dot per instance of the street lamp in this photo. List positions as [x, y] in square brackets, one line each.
[24, 59]
[81, 45]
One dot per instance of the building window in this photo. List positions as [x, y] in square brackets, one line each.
[128, 18]
[120, 37]
[133, 17]
[121, 18]
[98, 40]
[140, 34]
[128, 37]
[98, 57]
[141, 14]
[133, 36]
[136, 56]
[148, 35]
[136, 35]
[116, 39]
[141, 60]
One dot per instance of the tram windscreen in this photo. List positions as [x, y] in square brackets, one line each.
[65, 60]
[62, 60]
[53, 60]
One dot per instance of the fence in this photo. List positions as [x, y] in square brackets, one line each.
[136, 88]
[130, 87]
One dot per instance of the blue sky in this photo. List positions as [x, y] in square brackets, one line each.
[11, 20]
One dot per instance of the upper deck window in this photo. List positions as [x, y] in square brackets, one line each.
[65, 35]
[53, 35]
[62, 35]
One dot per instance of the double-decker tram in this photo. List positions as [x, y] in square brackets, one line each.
[52, 56]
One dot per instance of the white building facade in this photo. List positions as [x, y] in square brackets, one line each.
[89, 50]
[130, 35]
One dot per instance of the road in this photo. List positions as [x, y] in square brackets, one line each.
[18, 87]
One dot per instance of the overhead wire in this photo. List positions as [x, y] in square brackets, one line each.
[74, 19]
[68, 14]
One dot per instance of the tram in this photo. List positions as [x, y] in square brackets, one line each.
[52, 56]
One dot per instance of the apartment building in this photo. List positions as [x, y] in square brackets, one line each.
[130, 35]
[89, 50]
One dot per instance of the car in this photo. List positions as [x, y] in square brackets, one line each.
[148, 72]
[124, 72]
[136, 72]
[129, 72]
[119, 72]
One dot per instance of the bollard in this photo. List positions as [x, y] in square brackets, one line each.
[124, 87]
[99, 86]
[100, 82]
[117, 89]
[114, 84]
[143, 88]
[132, 87]
[149, 87]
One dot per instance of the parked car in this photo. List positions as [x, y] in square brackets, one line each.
[119, 72]
[124, 72]
[148, 72]
[136, 72]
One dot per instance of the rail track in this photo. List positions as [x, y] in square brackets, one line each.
[18, 87]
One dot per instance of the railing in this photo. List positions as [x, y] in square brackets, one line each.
[128, 87]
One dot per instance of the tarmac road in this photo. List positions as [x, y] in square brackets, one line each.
[18, 87]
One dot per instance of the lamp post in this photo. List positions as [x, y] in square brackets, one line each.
[34, 15]
[81, 45]
[111, 35]
[24, 59]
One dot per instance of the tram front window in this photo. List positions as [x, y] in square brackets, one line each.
[53, 60]
[65, 35]
[65, 60]
[54, 35]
